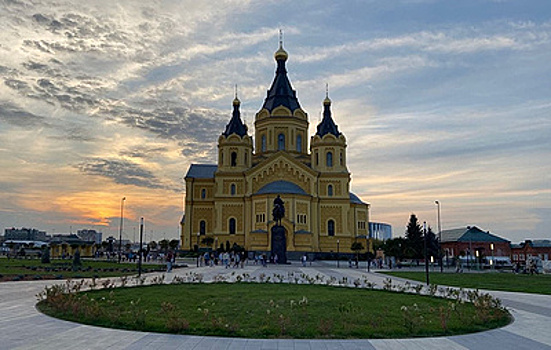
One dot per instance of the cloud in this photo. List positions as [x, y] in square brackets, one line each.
[122, 172]
[16, 116]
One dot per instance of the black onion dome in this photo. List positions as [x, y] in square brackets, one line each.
[327, 125]
[235, 126]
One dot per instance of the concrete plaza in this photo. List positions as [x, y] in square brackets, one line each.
[23, 327]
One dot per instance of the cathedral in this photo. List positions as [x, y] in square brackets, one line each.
[232, 201]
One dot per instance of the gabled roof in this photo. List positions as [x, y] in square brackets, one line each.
[470, 234]
[281, 92]
[355, 199]
[201, 171]
[281, 187]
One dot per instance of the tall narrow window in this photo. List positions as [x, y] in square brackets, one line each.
[233, 159]
[330, 190]
[202, 227]
[329, 160]
[232, 226]
[317, 158]
[331, 228]
[280, 142]
[342, 161]
[203, 193]
[263, 143]
[232, 189]
[299, 143]
[246, 158]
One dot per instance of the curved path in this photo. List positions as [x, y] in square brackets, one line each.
[23, 327]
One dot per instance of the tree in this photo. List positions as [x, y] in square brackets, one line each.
[414, 237]
[45, 258]
[173, 244]
[395, 247]
[152, 245]
[357, 247]
[76, 259]
[432, 244]
[163, 244]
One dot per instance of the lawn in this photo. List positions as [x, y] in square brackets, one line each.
[504, 281]
[33, 269]
[266, 310]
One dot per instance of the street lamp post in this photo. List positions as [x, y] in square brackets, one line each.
[426, 251]
[120, 229]
[476, 253]
[338, 255]
[368, 252]
[198, 234]
[140, 250]
[440, 239]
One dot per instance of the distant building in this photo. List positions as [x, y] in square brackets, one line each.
[62, 245]
[25, 234]
[378, 230]
[531, 248]
[90, 236]
[470, 241]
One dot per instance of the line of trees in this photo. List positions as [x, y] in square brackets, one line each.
[413, 245]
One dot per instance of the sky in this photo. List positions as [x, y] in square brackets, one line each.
[438, 100]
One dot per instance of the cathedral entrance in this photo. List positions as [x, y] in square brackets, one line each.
[279, 244]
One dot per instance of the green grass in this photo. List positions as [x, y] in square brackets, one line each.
[503, 281]
[257, 310]
[21, 269]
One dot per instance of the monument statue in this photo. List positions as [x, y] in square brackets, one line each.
[279, 241]
[279, 210]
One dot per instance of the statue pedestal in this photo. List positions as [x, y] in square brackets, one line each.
[279, 244]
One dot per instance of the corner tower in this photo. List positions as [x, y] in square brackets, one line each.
[281, 124]
[328, 145]
[235, 146]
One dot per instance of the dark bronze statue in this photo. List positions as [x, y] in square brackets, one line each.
[279, 210]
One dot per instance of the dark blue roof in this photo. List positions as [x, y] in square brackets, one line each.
[281, 93]
[327, 125]
[355, 199]
[469, 234]
[201, 171]
[235, 126]
[281, 187]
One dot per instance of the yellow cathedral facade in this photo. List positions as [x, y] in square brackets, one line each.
[232, 201]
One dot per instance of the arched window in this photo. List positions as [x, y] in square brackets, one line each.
[342, 161]
[232, 189]
[317, 158]
[221, 158]
[331, 228]
[329, 160]
[232, 226]
[330, 190]
[280, 142]
[263, 143]
[299, 143]
[246, 158]
[234, 159]
[203, 193]
[202, 227]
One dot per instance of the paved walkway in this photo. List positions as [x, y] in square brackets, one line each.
[23, 327]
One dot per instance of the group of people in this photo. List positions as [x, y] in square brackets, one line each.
[226, 259]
